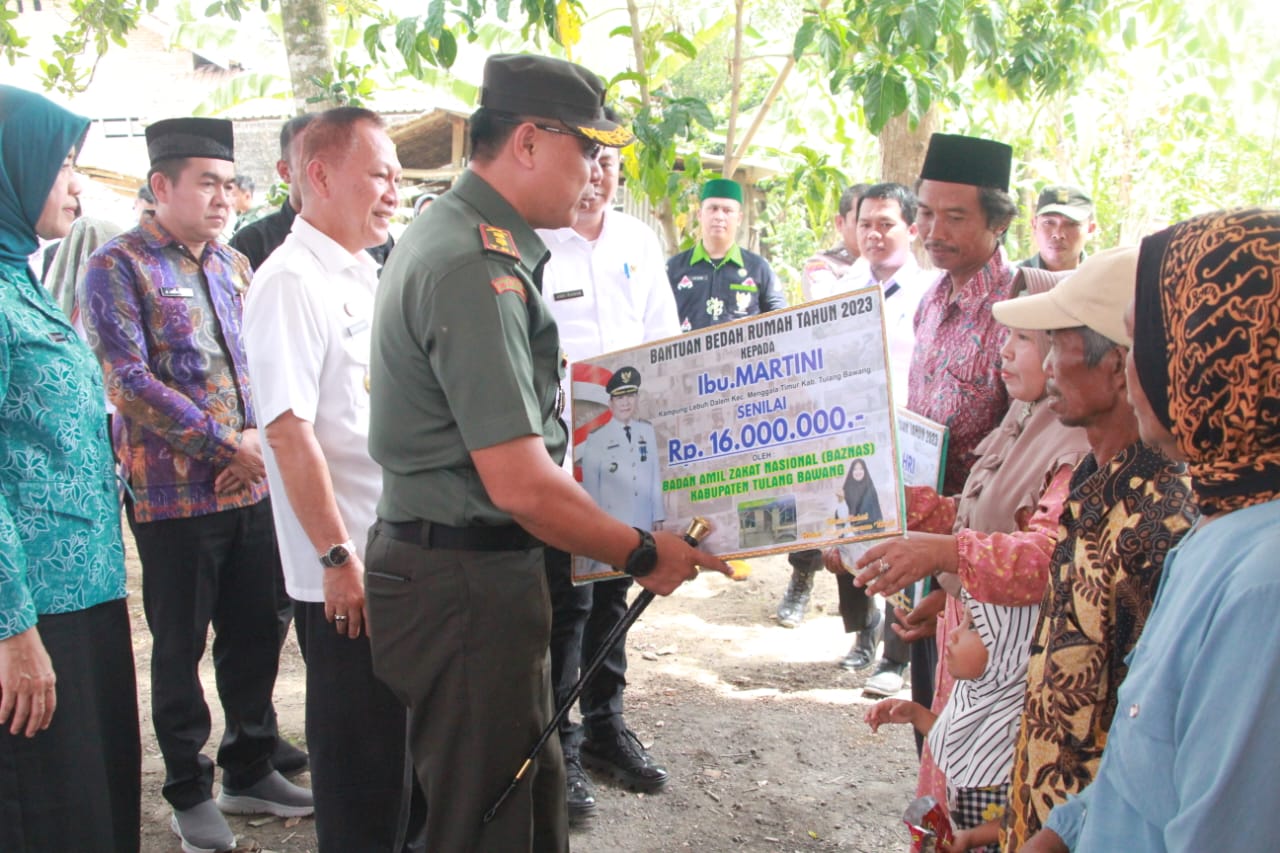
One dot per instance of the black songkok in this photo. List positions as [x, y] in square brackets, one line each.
[967, 160]
[190, 137]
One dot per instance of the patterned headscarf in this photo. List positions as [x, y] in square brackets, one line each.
[1207, 350]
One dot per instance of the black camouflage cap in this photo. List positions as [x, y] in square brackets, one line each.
[1069, 201]
[528, 85]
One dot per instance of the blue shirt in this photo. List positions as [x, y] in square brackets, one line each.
[1191, 763]
[60, 545]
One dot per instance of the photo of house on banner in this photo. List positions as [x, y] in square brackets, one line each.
[779, 429]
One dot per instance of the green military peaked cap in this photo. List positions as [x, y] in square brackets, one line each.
[540, 86]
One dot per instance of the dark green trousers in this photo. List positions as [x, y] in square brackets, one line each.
[462, 637]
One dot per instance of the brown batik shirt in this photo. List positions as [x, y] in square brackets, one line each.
[1116, 527]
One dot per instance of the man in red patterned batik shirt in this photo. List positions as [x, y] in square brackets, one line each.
[965, 209]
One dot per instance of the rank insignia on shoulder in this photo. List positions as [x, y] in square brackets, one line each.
[509, 284]
[499, 240]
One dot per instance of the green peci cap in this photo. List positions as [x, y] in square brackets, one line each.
[721, 188]
[540, 86]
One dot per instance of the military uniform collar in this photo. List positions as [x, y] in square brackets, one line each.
[733, 255]
[496, 210]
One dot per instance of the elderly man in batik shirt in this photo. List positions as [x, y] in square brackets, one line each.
[1128, 505]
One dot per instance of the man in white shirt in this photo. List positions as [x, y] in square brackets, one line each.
[885, 226]
[886, 229]
[307, 332]
[606, 285]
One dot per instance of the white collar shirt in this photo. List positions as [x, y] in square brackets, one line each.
[900, 306]
[307, 333]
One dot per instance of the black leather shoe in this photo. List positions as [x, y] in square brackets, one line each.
[625, 760]
[580, 797]
[288, 759]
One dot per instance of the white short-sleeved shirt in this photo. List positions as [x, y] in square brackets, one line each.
[899, 314]
[307, 332]
[609, 294]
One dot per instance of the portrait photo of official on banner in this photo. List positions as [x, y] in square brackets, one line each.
[779, 429]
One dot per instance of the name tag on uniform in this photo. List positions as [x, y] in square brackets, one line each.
[58, 337]
[177, 292]
[568, 294]
[357, 327]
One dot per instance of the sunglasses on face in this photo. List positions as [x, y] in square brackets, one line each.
[590, 150]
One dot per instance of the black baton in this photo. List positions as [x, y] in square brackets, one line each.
[698, 528]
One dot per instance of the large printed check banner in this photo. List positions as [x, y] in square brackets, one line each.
[779, 429]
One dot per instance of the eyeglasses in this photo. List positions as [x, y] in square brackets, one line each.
[590, 150]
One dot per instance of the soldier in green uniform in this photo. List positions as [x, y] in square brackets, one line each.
[465, 422]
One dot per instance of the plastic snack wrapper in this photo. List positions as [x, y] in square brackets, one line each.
[928, 825]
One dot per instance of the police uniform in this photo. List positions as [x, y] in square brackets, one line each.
[709, 292]
[466, 356]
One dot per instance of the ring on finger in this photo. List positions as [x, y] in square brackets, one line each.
[339, 619]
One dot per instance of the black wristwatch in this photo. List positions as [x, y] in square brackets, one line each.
[644, 558]
[337, 555]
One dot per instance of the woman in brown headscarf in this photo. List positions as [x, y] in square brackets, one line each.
[1190, 763]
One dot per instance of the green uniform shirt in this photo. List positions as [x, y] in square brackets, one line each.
[466, 355]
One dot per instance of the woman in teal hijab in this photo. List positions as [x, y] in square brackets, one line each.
[70, 760]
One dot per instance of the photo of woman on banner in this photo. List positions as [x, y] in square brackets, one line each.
[861, 499]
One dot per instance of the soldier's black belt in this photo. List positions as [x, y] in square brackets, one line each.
[429, 534]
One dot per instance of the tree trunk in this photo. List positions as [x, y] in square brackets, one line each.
[902, 149]
[306, 43]
[902, 153]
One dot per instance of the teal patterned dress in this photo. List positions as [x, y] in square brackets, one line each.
[60, 547]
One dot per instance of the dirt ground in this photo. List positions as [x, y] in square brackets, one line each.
[760, 729]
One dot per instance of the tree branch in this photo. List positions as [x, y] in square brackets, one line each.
[735, 73]
[637, 46]
[734, 156]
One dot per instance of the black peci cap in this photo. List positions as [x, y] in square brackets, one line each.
[967, 160]
[171, 138]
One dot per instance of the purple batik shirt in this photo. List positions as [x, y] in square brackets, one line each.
[166, 328]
